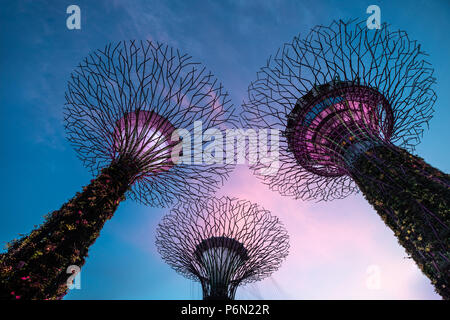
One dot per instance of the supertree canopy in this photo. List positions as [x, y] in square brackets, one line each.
[127, 107]
[352, 104]
[222, 243]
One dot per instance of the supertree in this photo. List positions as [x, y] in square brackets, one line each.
[222, 243]
[351, 104]
[128, 109]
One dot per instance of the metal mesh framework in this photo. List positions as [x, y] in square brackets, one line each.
[222, 243]
[332, 125]
[352, 104]
[340, 86]
[126, 101]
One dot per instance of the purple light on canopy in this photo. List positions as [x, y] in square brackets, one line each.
[334, 122]
[146, 137]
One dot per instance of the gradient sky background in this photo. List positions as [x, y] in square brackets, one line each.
[332, 244]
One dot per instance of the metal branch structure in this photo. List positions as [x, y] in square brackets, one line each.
[352, 103]
[127, 106]
[222, 243]
[125, 102]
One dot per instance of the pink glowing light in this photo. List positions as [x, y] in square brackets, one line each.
[146, 136]
[325, 127]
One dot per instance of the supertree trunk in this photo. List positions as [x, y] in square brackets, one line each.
[34, 267]
[413, 199]
[219, 291]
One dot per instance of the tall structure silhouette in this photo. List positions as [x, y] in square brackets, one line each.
[352, 103]
[130, 110]
[222, 243]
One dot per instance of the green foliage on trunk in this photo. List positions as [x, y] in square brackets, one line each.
[413, 199]
[34, 267]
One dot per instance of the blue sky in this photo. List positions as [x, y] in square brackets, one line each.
[40, 171]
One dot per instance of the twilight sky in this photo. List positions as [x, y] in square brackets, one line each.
[335, 246]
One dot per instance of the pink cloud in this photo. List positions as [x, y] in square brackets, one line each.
[332, 246]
